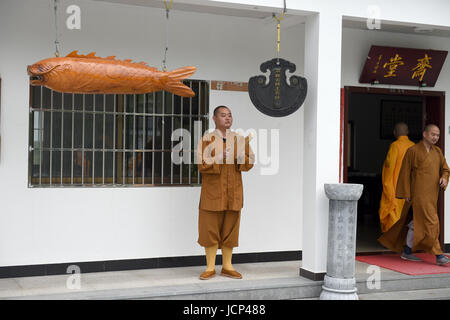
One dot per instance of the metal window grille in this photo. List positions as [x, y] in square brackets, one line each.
[112, 140]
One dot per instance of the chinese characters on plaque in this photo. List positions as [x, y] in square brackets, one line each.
[402, 66]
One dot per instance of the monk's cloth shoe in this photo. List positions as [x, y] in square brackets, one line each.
[207, 275]
[231, 274]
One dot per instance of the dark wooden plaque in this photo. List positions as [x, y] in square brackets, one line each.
[402, 66]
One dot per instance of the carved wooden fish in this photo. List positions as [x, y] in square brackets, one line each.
[90, 74]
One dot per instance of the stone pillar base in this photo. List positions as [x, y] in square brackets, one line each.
[338, 289]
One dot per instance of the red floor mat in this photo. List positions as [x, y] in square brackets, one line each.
[395, 263]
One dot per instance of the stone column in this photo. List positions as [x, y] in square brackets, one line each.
[339, 282]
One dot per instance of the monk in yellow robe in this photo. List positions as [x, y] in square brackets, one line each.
[221, 157]
[391, 207]
[424, 170]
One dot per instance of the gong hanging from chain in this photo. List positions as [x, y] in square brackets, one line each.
[277, 97]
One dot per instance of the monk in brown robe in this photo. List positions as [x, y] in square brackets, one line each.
[391, 207]
[221, 155]
[424, 170]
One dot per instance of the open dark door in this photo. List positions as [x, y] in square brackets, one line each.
[345, 98]
[433, 112]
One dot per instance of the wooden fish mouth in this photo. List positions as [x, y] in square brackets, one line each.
[37, 73]
[37, 80]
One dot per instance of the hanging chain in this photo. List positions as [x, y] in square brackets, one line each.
[167, 33]
[55, 6]
[278, 19]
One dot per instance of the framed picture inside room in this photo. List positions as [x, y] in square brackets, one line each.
[394, 111]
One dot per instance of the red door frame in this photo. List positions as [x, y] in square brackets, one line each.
[433, 100]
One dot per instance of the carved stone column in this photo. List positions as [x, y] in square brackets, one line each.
[339, 282]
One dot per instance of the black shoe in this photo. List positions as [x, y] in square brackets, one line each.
[440, 261]
[410, 257]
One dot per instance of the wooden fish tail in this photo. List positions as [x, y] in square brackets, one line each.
[172, 81]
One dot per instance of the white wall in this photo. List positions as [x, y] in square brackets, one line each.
[355, 47]
[55, 225]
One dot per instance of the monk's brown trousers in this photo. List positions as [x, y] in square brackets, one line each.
[218, 228]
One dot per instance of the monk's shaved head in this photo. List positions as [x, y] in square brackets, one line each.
[216, 110]
[430, 126]
[401, 129]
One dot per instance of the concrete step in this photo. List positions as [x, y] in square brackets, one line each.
[262, 281]
[265, 289]
[398, 282]
[425, 294]
[273, 289]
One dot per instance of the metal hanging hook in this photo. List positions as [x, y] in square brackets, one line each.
[55, 7]
[167, 33]
[278, 19]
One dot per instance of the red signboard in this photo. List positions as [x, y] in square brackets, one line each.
[402, 66]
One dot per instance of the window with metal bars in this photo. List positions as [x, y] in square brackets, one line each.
[112, 140]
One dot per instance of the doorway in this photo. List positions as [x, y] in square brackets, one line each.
[369, 116]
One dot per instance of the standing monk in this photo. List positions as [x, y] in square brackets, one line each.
[390, 207]
[221, 155]
[424, 170]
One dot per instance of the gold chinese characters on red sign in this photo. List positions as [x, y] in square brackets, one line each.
[402, 66]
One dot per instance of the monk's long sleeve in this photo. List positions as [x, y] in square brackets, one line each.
[248, 161]
[445, 171]
[206, 162]
[388, 175]
[403, 189]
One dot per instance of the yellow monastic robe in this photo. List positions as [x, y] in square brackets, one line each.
[390, 207]
[419, 181]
